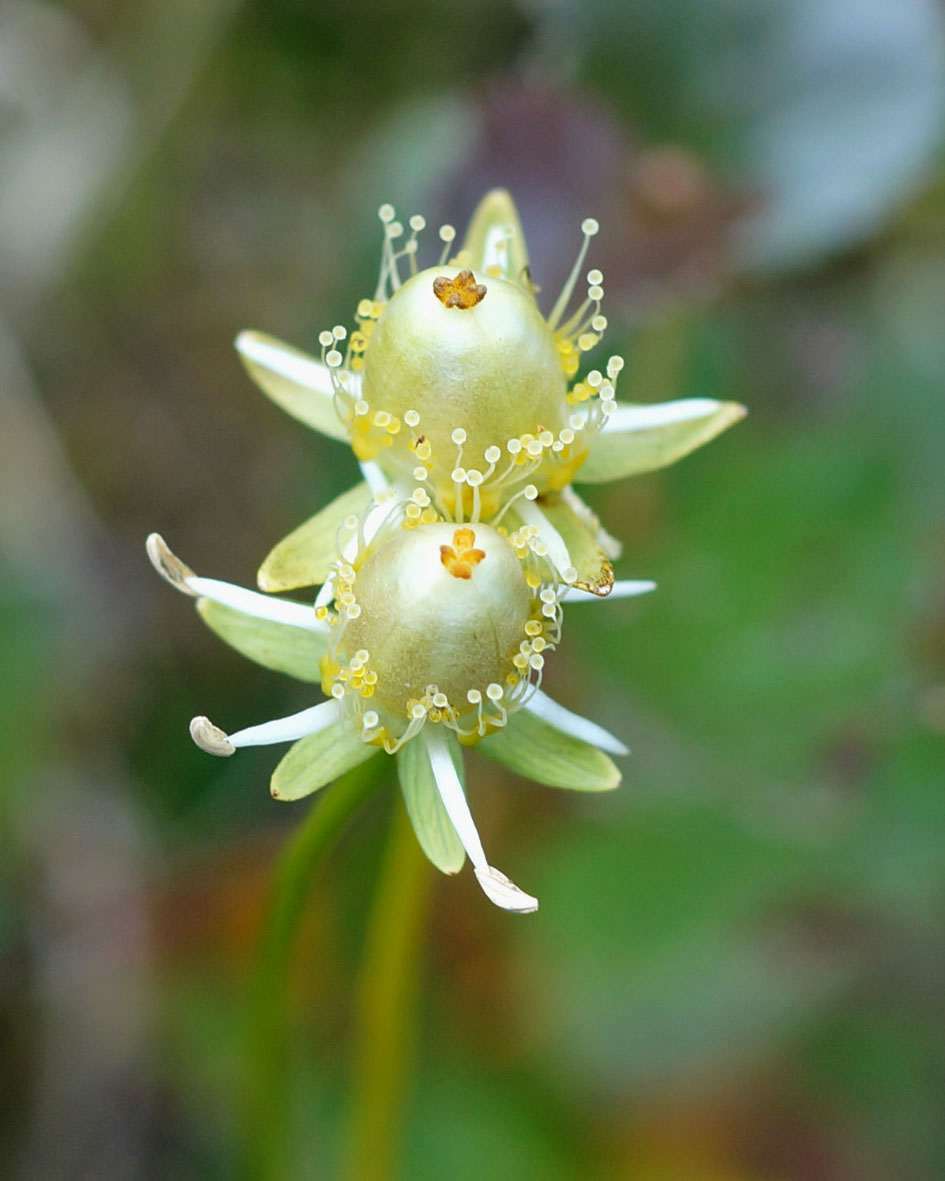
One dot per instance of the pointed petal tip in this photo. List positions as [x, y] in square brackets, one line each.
[243, 341]
[168, 565]
[504, 893]
[210, 738]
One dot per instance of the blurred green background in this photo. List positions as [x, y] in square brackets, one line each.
[738, 970]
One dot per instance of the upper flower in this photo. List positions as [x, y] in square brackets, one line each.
[453, 376]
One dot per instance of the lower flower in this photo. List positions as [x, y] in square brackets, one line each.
[427, 635]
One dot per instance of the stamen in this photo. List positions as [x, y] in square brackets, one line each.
[447, 236]
[589, 228]
[246, 602]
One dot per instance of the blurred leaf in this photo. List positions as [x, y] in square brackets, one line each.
[660, 963]
[850, 114]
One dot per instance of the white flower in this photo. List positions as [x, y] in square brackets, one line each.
[444, 572]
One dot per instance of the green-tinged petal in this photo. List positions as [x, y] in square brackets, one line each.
[495, 239]
[279, 646]
[304, 558]
[594, 571]
[298, 383]
[429, 817]
[314, 761]
[643, 438]
[540, 751]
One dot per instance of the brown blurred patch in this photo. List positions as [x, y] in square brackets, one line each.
[666, 219]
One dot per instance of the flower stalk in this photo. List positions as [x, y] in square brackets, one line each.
[266, 1154]
[384, 1010]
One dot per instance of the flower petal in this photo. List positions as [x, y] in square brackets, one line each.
[290, 650]
[495, 238]
[247, 602]
[623, 588]
[304, 558]
[293, 380]
[538, 750]
[307, 721]
[546, 708]
[638, 439]
[317, 760]
[430, 820]
[495, 885]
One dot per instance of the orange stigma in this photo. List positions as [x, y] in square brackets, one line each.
[460, 292]
[460, 557]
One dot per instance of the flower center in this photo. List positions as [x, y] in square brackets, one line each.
[440, 611]
[491, 374]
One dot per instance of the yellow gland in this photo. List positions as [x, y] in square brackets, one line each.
[457, 356]
[442, 609]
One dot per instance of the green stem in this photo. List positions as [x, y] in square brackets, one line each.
[267, 1101]
[384, 1012]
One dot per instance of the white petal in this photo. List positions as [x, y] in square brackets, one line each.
[247, 602]
[637, 439]
[502, 892]
[544, 707]
[295, 381]
[624, 588]
[625, 418]
[531, 514]
[309, 721]
[283, 361]
[385, 501]
[374, 476]
[495, 884]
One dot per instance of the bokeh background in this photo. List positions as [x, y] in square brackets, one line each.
[738, 970]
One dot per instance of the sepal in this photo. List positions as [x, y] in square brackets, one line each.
[494, 222]
[537, 750]
[298, 383]
[314, 761]
[594, 571]
[274, 645]
[637, 439]
[435, 832]
[304, 558]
